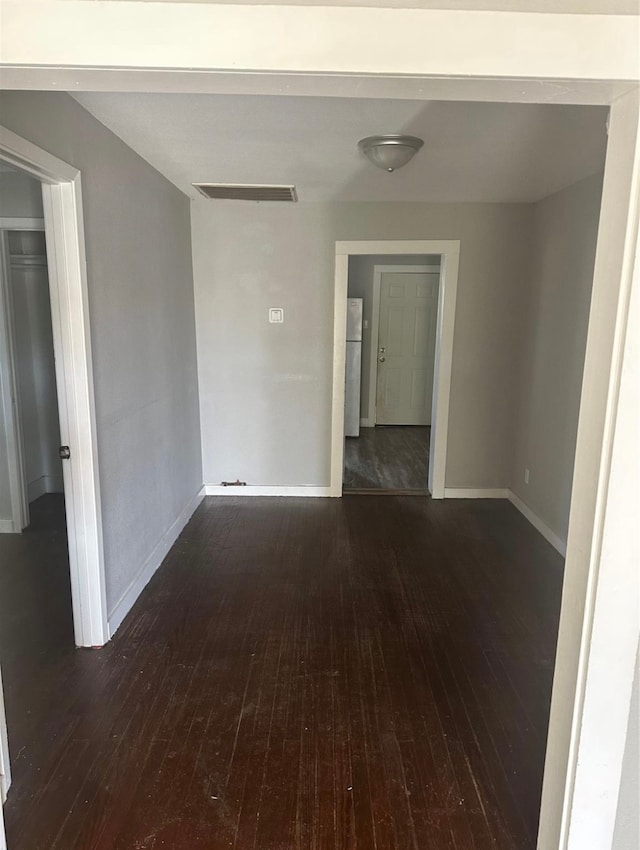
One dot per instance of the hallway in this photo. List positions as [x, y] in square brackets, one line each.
[306, 673]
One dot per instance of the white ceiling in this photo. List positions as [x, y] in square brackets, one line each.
[473, 151]
[565, 7]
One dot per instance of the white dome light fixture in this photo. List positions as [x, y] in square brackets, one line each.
[390, 152]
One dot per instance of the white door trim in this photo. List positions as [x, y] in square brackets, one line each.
[378, 271]
[599, 627]
[449, 251]
[63, 217]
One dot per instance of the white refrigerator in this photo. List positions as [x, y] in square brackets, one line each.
[353, 368]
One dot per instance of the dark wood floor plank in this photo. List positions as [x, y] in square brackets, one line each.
[301, 674]
[388, 457]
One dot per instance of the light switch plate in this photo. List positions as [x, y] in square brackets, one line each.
[276, 315]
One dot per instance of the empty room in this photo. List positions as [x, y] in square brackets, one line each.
[315, 445]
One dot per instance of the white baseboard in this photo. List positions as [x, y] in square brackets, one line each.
[480, 493]
[44, 484]
[6, 526]
[258, 490]
[36, 488]
[128, 598]
[556, 541]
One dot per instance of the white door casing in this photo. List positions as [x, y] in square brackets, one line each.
[406, 347]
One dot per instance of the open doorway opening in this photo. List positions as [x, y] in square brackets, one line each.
[392, 315]
[410, 312]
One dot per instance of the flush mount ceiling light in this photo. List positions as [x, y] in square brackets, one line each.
[391, 151]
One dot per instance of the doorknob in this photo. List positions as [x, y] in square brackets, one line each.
[64, 452]
[381, 359]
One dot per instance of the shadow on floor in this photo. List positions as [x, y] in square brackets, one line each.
[36, 621]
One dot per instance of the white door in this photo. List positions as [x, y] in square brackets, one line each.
[406, 347]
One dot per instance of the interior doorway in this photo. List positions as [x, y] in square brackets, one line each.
[407, 291]
[391, 344]
[61, 193]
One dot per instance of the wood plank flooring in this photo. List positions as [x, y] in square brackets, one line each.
[387, 457]
[36, 625]
[302, 674]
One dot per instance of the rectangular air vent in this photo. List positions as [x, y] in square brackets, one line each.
[235, 192]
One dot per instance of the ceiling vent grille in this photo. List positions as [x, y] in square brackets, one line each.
[235, 192]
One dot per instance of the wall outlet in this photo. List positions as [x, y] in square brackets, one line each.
[276, 315]
[526, 476]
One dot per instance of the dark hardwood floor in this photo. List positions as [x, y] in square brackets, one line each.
[387, 457]
[36, 625]
[301, 674]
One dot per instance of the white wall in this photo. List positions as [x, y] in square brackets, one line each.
[361, 286]
[141, 311]
[35, 367]
[265, 390]
[564, 233]
[20, 196]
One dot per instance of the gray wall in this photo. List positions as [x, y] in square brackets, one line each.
[20, 196]
[35, 365]
[361, 286]
[265, 390]
[141, 309]
[564, 233]
[627, 830]
[5, 492]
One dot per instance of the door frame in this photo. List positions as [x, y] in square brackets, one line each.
[9, 389]
[66, 262]
[449, 251]
[378, 271]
